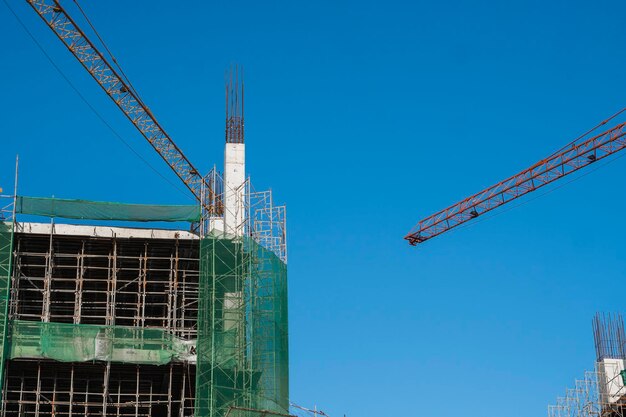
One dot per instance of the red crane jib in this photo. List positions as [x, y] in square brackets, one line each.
[123, 95]
[560, 164]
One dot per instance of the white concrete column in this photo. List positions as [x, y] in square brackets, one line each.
[234, 193]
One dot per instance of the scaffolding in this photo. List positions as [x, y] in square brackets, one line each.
[90, 280]
[242, 364]
[7, 228]
[143, 322]
[592, 396]
[601, 392]
[101, 323]
[49, 388]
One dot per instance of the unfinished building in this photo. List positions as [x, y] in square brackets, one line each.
[101, 319]
[191, 320]
[601, 392]
[118, 321]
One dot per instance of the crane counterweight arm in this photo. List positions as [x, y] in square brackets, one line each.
[564, 162]
[117, 88]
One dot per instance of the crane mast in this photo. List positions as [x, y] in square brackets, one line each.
[564, 162]
[125, 97]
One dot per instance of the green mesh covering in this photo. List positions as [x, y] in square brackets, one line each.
[242, 330]
[97, 210]
[247, 412]
[6, 256]
[66, 342]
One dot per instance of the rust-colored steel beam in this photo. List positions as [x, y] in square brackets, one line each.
[124, 96]
[558, 165]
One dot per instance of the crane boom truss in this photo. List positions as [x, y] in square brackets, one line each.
[560, 164]
[125, 97]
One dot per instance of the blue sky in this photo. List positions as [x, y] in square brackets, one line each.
[364, 117]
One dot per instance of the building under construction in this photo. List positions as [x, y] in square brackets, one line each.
[118, 321]
[101, 319]
[601, 392]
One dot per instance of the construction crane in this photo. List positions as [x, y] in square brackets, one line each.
[581, 152]
[120, 90]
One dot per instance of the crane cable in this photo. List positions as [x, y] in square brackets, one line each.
[91, 107]
[104, 45]
[489, 217]
[571, 143]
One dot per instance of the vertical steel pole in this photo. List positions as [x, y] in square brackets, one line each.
[5, 330]
[17, 163]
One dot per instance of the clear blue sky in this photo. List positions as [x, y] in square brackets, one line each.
[365, 117]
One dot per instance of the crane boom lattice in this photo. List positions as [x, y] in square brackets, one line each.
[558, 165]
[124, 96]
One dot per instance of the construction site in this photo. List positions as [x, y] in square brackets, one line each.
[600, 391]
[137, 322]
[112, 308]
[105, 320]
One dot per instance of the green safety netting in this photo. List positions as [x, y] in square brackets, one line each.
[98, 210]
[245, 412]
[6, 250]
[242, 345]
[68, 342]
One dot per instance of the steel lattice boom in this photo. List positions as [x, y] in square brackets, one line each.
[123, 95]
[560, 164]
